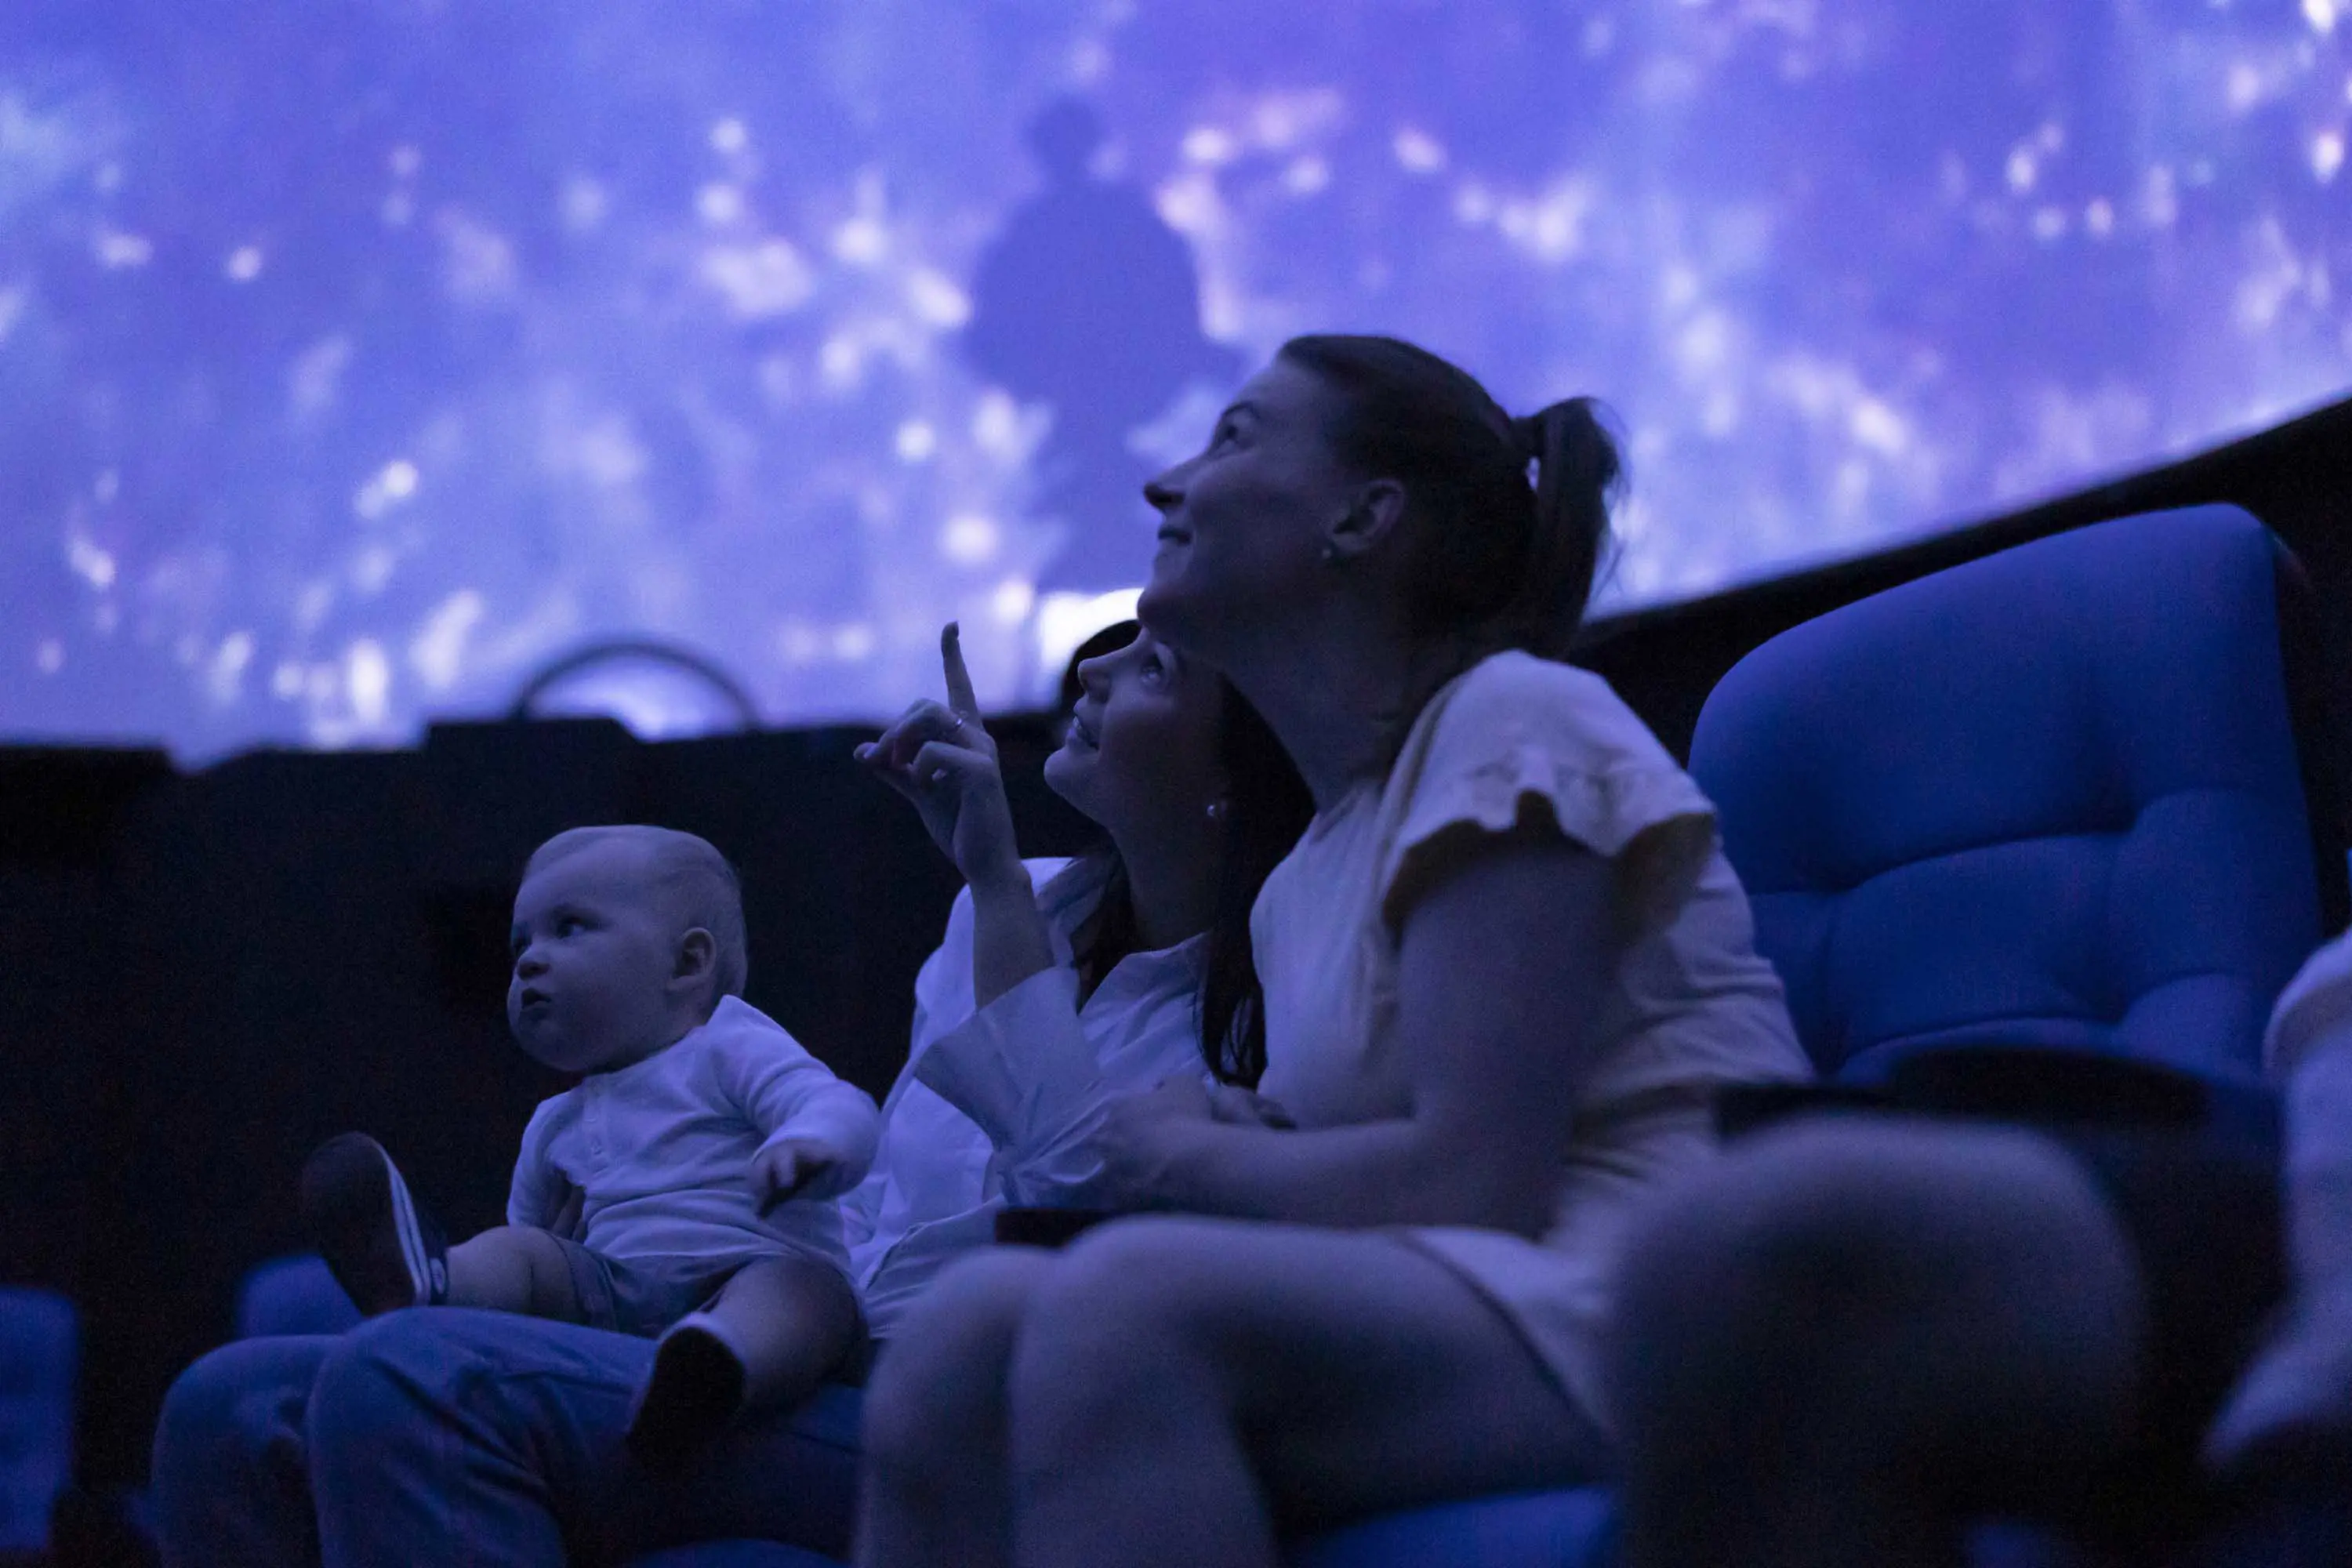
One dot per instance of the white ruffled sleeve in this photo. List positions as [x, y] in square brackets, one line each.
[1525, 743]
[917, 1159]
[1022, 1070]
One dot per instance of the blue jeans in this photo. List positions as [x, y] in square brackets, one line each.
[446, 1435]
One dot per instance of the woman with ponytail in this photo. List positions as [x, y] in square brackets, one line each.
[1503, 973]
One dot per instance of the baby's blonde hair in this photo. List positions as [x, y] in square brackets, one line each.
[702, 888]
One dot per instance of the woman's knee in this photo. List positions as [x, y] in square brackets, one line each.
[1128, 1305]
[381, 1374]
[234, 1405]
[939, 1386]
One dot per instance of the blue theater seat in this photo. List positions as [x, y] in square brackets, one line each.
[2053, 799]
[292, 1295]
[2049, 798]
[39, 1345]
[2047, 806]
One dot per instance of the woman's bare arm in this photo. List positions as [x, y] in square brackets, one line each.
[1500, 966]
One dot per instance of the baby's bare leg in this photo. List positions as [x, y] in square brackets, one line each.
[769, 1337]
[791, 1320]
[513, 1268]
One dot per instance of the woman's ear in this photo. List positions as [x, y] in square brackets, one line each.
[1375, 514]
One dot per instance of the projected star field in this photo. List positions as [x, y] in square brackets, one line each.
[359, 362]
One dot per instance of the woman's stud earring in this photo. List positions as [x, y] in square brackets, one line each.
[1217, 811]
[1330, 553]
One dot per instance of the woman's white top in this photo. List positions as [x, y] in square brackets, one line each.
[661, 1150]
[995, 1107]
[1516, 741]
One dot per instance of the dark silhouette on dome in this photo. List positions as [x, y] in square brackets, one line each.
[1088, 302]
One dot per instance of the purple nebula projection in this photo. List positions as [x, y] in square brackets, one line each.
[359, 364]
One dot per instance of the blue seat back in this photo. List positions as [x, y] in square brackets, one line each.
[39, 1353]
[2051, 797]
[292, 1295]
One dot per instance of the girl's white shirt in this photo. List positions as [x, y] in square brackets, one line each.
[994, 1107]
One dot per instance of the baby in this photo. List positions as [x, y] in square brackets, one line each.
[678, 1190]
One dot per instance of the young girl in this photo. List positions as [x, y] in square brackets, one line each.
[1505, 970]
[1059, 985]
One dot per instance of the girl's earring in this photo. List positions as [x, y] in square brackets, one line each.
[1217, 811]
[1330, 553]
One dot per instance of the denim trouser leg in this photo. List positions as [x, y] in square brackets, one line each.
[232, 1489]
[451, 1436]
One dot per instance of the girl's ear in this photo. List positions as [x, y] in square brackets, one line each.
[1220, 792]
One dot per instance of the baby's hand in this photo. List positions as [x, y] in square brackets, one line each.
[571, 1210]
[781, 1169]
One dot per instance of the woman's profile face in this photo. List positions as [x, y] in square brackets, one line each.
[1241, 524]
[1142, 741]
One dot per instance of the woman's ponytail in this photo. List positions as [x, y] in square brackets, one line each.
[1497, 563]
[1578, 474]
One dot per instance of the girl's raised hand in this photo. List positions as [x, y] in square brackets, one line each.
[941, 759]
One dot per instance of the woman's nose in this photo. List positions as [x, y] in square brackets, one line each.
[528, 963]
[1165, 493]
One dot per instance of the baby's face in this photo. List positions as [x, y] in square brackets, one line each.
[594, 952]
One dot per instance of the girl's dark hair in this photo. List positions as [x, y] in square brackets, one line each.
[1500, 562]
[1267, 806]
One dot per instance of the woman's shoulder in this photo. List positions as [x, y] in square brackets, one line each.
[1512, 700]
[1514, 729]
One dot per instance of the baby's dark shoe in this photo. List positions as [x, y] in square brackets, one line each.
[692, 1394]
[382, 1250]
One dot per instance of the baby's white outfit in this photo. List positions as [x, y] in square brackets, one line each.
[661, 1153]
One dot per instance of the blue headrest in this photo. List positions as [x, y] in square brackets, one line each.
[39, 1345]
[2049, 797]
